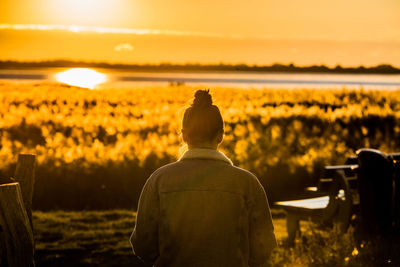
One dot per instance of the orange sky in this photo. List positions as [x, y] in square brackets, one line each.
[347, 32]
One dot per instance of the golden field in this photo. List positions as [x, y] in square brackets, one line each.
[96, 148]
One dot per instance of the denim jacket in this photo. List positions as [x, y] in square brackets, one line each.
[203, 211]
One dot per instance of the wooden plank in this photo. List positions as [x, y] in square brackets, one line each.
[350, 170]
[376, 189]
[3, 248]
[17, 236]
[351, 160]
[342, 167]
[311, 189]
[395, 156]
[325, 183]
[25, 175]
[310, 203]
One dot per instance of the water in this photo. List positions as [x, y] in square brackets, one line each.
[115, 78]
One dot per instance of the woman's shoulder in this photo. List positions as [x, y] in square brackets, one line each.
[164, 168]
[245, 173]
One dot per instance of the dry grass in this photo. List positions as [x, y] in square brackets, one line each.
[84, 238]
[66, 238]
[95, 237]
[101, 238]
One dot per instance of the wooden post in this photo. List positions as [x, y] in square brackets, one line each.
[16, 237]
[375, 185]
[25, 175]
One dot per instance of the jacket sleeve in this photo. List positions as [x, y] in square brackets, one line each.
[144, 238]
[261, 229]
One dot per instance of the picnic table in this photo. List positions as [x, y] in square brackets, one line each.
[366, 189]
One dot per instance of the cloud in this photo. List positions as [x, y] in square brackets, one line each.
[108, 30]
[124, 47]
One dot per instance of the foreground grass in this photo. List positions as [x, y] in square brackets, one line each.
[68, 238]
[65, 238]
[101, 238]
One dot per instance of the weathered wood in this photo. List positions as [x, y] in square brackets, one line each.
[368, 186]
[336, 206]
[16, 236]
[396, 207]
[3, 248]
[349, 170]
[25, 175]
[308, 203]
[344, 199]
[375, 185]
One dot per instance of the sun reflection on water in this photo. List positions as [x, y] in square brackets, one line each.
[82, 77]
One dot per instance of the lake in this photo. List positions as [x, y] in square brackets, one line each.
[105, 78]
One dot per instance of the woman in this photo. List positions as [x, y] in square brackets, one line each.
[202, 210]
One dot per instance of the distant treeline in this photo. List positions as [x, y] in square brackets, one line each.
[379, 69]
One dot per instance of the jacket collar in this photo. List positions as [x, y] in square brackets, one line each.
[205, 153]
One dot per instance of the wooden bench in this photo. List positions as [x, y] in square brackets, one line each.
[335, 204]
[363, 186]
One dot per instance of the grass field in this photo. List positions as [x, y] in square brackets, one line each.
[69, 238]
[84, 238]
[101, 238]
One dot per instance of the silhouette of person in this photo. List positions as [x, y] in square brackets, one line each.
[202, 210]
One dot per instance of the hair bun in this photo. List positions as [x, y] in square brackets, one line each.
[202, 99]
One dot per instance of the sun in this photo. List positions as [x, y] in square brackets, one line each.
[83, 12]
[82, 77]
[84, 7]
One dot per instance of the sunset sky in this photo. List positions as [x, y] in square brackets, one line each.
[347, 32]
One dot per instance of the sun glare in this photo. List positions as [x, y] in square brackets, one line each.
[82, 77]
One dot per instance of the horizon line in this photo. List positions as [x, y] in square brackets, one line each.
[195, 64]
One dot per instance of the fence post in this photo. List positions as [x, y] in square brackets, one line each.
[16, 237]
[25, 175]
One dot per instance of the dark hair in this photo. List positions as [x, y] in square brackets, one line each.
[202, 121]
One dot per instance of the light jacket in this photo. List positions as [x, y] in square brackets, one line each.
[203, 211]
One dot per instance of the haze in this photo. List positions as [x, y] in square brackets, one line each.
[352, 32]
